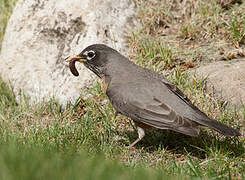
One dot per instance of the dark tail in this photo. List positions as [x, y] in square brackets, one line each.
[219, 127]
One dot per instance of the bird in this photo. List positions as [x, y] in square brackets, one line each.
[145, 96]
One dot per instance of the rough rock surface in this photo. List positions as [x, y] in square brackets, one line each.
[227, 79]
[40, 34]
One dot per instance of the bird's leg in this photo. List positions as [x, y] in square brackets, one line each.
[141, 134]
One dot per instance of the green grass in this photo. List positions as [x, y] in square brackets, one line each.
[86, 141]
[238, 29]
[18, 161]
[90, 128]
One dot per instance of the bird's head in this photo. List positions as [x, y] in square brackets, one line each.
[94, 57]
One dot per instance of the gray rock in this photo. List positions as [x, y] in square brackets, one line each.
[227, 79]
[40, 34]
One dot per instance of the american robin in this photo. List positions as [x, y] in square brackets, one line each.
[145, 96]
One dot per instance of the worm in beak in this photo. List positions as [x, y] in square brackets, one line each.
[71, 60]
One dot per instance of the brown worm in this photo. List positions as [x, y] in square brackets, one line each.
[73, 67]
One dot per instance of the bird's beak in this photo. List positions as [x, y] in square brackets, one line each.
[75, 58]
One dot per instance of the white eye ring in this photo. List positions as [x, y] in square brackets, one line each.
[90, 54]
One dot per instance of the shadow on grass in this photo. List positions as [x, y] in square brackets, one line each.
[200, 147]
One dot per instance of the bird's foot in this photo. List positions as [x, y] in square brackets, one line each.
[141, 134]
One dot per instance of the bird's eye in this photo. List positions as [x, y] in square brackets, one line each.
[90, 54]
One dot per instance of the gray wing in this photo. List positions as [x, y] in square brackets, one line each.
[162, 105]
[141, 105]
[197, 115]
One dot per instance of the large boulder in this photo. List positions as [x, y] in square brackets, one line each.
[40, 34]
[226, 79]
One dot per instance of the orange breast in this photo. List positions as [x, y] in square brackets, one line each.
[143, 125]
[104, 84]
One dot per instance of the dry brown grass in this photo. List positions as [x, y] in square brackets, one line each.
[196, 31]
